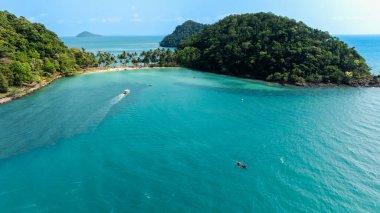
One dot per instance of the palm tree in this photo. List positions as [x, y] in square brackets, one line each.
[122, 57]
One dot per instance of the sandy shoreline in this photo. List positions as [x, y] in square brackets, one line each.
[31, 89]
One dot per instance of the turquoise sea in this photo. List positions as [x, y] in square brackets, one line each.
[79, 146]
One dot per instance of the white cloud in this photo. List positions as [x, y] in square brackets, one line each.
[135, 15]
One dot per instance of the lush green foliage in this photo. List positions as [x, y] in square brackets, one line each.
[3, 84]
[262, 46]
[30, 52]
[273, 48]
[181, 33]
[152, 58]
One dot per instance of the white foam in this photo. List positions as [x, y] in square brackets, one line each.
[99, 115]
[116, 100]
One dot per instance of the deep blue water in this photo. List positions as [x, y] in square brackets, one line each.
[368, 46]
[114, 44]
[79, 146]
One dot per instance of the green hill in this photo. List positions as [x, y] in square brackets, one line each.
[181, 33]
[29, 53]
[273, 48]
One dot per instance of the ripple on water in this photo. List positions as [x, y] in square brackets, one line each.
[173, 145]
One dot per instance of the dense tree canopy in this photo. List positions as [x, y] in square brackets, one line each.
[181, 33]
[30, 52]
[262, 46]
[273, 48]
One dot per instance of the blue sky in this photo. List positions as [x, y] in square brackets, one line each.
[159, 17]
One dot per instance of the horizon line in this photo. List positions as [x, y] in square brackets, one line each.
[140, 35]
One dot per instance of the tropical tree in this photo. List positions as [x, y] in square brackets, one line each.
[3, 84]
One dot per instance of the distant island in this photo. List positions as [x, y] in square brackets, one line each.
[87, 34]
[181, 33]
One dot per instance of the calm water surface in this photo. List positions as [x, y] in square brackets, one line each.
[368, 46]
[78, 146]
[114, 44]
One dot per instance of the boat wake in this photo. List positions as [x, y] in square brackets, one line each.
[116, 100]
[97, 117]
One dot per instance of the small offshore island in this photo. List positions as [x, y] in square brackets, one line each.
[87, 34]
[260, 46]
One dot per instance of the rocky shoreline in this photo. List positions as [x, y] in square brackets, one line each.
[28, 90]
[374, 82]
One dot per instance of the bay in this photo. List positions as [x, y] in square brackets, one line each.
[79, 146]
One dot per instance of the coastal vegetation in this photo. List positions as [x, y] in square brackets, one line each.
[159, 57]
[273, 48]
[30, 53]
[152, 58]
[181, 33]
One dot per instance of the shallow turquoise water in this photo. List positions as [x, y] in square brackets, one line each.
[76, 146]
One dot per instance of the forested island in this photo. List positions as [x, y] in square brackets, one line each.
[181, 33]
[274, 48]
[259, 46]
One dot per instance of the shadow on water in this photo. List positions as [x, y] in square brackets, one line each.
[44, 121]
[271, 90]
[97, 117]
[8, 149]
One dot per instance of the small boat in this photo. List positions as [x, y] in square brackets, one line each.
[241, 165]
[126, 92]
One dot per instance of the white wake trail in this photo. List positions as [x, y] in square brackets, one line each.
[96, 118]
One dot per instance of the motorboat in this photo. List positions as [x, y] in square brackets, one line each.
[126, 92]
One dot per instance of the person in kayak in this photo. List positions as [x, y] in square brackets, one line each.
[241, 165]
